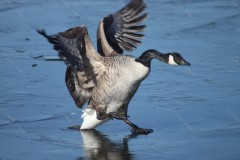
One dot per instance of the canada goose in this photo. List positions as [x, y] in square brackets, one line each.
[106, 79]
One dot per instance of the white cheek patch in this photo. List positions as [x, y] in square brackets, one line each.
[171, 60]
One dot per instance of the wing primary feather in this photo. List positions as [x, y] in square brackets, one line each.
[137, 19]
[134, 29]
[121, 29]
[131, 7]
[131, 41]
[126, 45]
[135, 36]
[133, 12]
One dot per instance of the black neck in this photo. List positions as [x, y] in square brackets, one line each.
[150, 54]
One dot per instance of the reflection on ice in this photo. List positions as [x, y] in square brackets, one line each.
[98, 146]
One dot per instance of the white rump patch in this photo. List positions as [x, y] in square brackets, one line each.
[171, 60]
[90, 120]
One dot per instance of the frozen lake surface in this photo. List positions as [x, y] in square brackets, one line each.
[194, 111]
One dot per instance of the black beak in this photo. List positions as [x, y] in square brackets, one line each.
[184, 62]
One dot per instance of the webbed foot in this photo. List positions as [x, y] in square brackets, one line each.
[141, 131]
[75, 127]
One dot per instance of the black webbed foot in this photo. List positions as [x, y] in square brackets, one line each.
[141, 131]
[115, 115]
[75, 127]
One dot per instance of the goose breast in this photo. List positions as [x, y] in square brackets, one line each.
[119, 83]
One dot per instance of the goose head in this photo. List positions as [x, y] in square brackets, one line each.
[175, 58]
[172, 58]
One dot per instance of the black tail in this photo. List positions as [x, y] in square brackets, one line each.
[51, 38]
[42, 32]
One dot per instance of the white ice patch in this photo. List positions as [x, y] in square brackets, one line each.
[90, 120]
[171, 60]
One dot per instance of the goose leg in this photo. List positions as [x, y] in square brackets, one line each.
[102, 115]
[136, 129]
[111, 115]
[119, 116]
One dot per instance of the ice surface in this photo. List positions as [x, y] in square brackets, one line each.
[194, 111]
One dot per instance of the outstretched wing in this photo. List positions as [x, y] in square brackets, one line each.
[84, 63]
[79, 94]
[121, 31]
